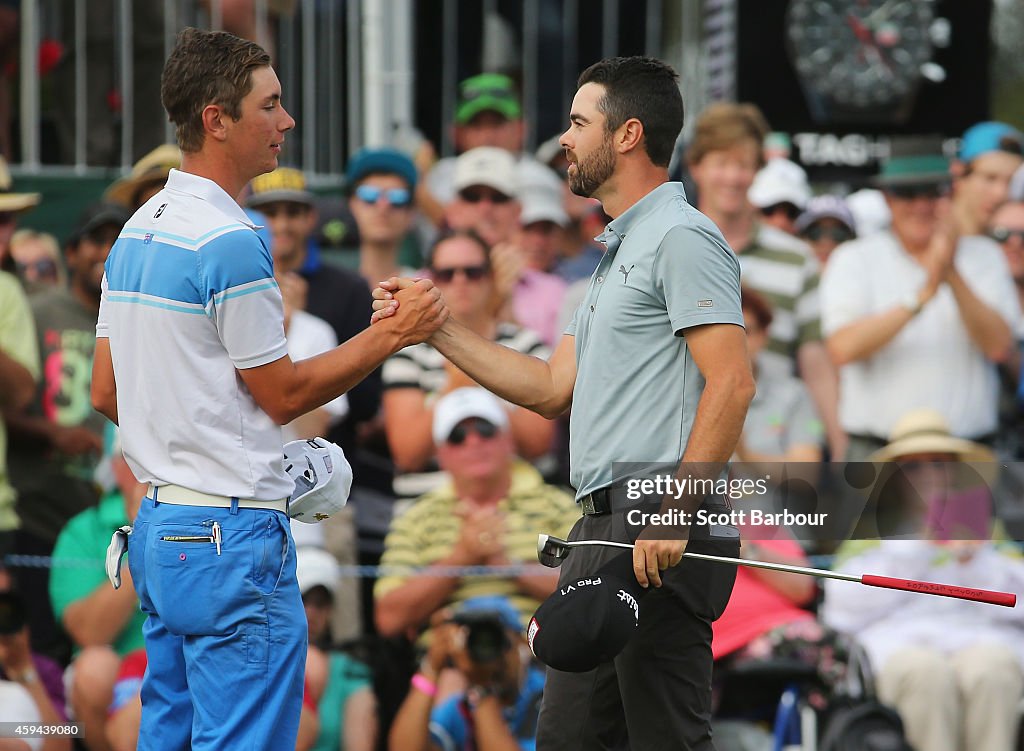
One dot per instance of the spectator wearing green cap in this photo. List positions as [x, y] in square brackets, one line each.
[488, 113]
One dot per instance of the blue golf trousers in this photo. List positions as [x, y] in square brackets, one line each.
[226, 633]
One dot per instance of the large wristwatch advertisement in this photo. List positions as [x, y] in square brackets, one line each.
[864, 60]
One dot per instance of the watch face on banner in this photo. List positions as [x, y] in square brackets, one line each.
[860, 55]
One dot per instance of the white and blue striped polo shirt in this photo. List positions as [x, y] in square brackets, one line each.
[188, 298]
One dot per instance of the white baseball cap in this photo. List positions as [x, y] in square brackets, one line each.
[315, 566]
[780, 181]
[463, 403]
[543, 206]
[322, 476]
[490, 166]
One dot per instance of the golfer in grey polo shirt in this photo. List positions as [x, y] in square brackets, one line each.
[655, 367]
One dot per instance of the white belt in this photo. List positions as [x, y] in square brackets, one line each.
[179, 496]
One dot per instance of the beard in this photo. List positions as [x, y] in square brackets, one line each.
[593, 172]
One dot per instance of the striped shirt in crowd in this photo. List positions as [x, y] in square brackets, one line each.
[783, 269]
[428, 531]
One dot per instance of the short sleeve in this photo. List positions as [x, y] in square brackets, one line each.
[69, 583]
[844, 293]
[17, 326]
[243, 299]
[103, 319]
[402, 371]
[808, 306]
[17, 705]
[401, 549]
[698, 279]
[447, 727]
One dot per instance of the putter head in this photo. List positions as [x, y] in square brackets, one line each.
[551, 550]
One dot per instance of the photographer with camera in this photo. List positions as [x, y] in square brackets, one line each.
[483, 641]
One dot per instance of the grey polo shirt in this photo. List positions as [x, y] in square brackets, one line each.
[666, 268]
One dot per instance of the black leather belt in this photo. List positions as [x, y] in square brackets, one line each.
[600, 502]
[596, 503]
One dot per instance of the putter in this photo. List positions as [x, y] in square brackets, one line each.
[552, 552]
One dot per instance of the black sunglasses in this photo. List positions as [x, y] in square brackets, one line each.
[477, 425]
[836, 234]
[472, 273]
[1004, 234]
[476, 195]
[790, 210]
[271, 210]
[910, 192]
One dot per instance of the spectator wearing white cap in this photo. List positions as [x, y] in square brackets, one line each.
[870, 211]
[780, 191]
[488, 514]
[489, 185]
[825, 224]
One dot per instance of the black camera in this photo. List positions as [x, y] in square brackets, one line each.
[12, 613]
[486, 637]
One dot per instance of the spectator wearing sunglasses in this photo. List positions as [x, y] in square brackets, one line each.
[1007, 229]
[37, 260]
[460, 265]
[381, 186]
[488, 513]
[989, 154]
[825, 224]
[337, 295]
[489, 185]
[780, 192]
[918, 316]
[724, 156]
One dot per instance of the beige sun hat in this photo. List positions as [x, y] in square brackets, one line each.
[152, 168]
[13, 202]
[925, 431]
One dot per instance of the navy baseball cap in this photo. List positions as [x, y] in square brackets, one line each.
[589, 621]
[388, 161]
[989, 136]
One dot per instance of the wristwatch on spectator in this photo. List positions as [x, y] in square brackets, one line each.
[912, 302]
[476, 694]
[28, 676]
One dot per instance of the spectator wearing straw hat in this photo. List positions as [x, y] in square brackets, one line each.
[951, 668]
[11, 206]
[146, 179]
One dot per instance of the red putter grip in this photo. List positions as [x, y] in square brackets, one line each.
[1006, 599]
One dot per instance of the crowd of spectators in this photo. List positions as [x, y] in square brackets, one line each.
[901, 301]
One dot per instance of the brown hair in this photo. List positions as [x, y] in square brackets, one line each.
[204, 68]
[724, 125]
[758, 306]
[646, 89]
[450, 234]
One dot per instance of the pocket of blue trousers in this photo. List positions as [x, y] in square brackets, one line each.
[272, 549]
[195, 590]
